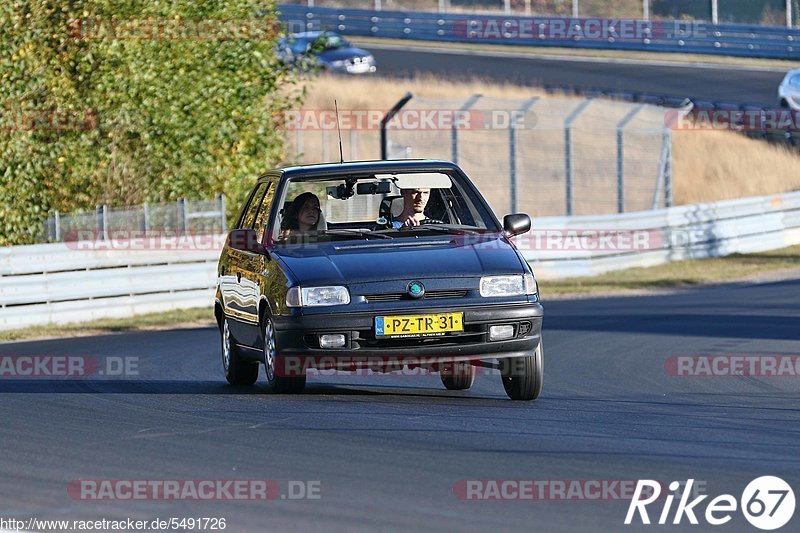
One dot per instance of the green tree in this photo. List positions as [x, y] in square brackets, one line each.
[121, 102]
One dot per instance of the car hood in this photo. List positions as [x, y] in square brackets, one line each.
[338, 54]
[349, 261]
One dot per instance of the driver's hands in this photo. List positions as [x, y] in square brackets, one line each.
[411, 221]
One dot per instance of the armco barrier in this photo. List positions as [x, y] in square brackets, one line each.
[663, 36]
[685, 232]
[61, 283]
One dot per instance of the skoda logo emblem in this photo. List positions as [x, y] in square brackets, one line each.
[416, 289]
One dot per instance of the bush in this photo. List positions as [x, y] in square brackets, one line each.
[122, 102]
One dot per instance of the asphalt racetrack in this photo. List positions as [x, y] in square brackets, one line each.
[708, 83]
[394, 452]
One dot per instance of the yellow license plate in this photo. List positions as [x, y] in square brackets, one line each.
[418, 325]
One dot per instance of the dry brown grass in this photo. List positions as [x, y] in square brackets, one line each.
[708, 165]
[722, 165]
[368, 92]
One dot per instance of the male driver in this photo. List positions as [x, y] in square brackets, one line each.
[414, 202]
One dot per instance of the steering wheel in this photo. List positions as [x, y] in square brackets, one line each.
[431, 221]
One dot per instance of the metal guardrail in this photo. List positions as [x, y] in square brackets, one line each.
[656, 237]
[61, 283]
[741, 40]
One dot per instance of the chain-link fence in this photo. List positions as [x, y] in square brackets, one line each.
[543, 156]
[197, 217]
[766, 12]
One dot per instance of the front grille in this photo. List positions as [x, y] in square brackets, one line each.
[430, 295]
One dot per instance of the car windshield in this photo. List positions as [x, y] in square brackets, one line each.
[379, 206]
[330, 42]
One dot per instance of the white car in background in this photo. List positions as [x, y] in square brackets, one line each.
[789, 91]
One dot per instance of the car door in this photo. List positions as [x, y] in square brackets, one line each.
[254, 269]
[240, 298]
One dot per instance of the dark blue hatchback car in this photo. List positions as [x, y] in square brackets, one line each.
[326, 50]
[382, 265]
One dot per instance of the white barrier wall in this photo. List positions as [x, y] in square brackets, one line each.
[73, 282]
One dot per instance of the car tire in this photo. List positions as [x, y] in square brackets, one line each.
[523, 376]
[457, 376]
[279, 384]
[238, 371]
[784, 103]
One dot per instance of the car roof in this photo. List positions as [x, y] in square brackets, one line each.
[312, 34]
[362, 167]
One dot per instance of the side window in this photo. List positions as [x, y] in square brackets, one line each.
[794, 81]
[262, 218]
[250, 211]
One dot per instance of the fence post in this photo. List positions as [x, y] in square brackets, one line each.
[57, 222]
[568, 151]
[223, 216]
[101, 220]
[789, 13]
[385, 123]
[668, 171]
[507, 6]
[146, 217]
[714, 12]
[378, 5]
[575, 9]
[454, 129]
[181, 215]
[646, 9]
[621, 157]
[512, 148]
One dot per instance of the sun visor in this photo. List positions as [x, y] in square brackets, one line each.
[420, 180]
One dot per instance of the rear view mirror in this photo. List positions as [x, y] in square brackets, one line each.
[244, 240]
[516, 224]
[375, 187]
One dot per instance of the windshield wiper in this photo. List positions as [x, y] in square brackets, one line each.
[439, 229]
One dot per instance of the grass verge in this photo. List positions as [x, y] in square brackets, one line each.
[152, 321]
[681, 274]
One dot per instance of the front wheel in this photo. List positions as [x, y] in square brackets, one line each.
[238, 371]
[457, 376]
[279, 382]
[523, 376]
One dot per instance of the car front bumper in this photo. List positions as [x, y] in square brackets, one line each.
[297, 336]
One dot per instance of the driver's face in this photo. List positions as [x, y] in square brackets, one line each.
[416, 198]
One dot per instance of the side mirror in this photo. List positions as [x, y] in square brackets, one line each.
[516, 224]
[245, 240]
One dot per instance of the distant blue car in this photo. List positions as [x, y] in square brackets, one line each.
[326, 50]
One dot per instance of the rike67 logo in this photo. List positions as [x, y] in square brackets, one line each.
[767, 503]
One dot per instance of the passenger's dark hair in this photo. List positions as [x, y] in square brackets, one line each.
[290, 215]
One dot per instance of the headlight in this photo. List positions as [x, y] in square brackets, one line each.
[317, 296]
[508, 285]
